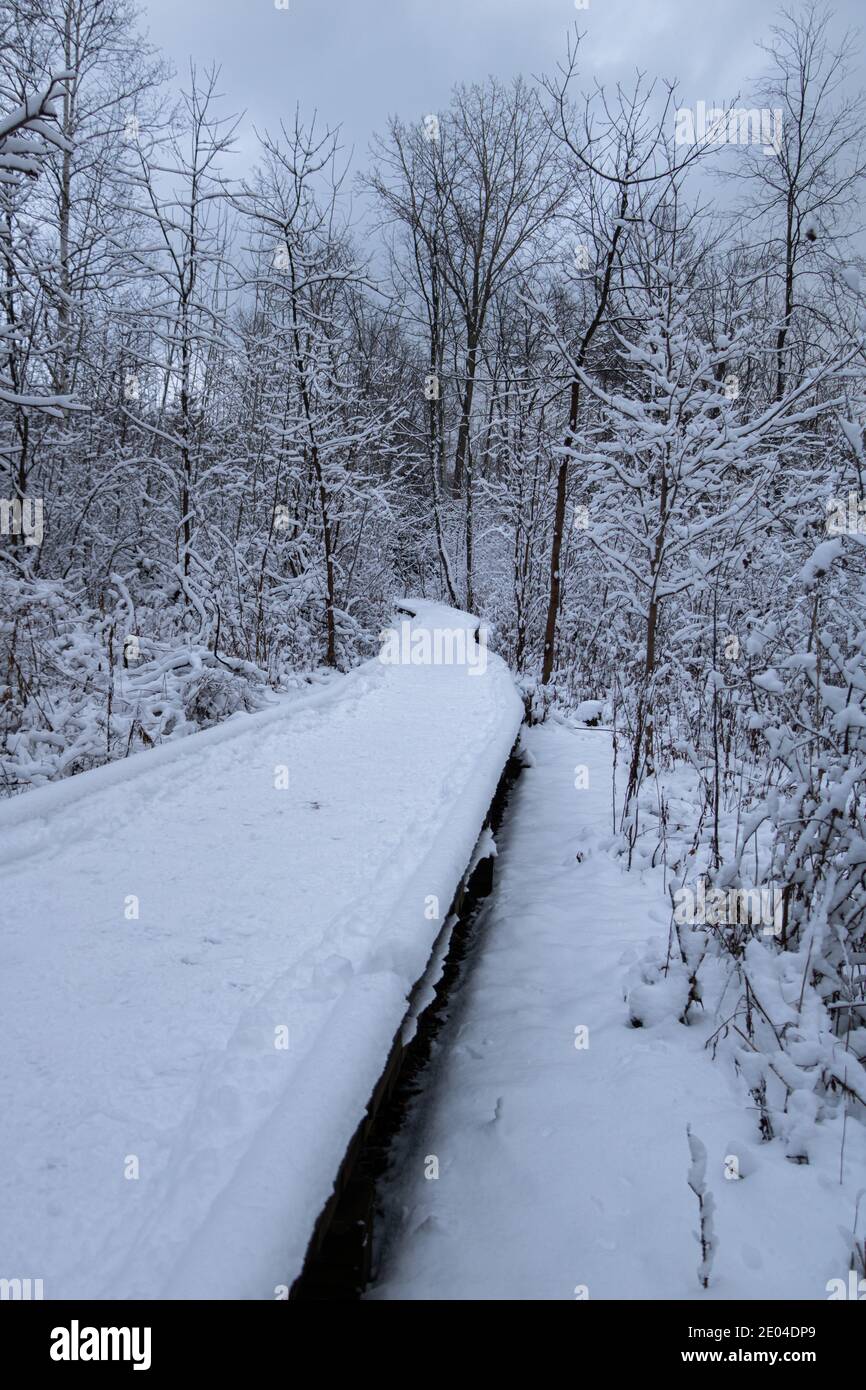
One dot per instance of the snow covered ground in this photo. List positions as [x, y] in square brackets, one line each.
[205, 954]
[561, 1154]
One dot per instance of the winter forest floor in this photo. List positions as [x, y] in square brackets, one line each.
[213, 946]
[562, 1168]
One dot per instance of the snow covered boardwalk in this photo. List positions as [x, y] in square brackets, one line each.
[205, 954]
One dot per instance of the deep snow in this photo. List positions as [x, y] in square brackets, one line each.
[562, 1168]
[158, 1139]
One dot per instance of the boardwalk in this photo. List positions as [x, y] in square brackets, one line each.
[206, 952]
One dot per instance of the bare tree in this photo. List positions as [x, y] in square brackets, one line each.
[620, 161]
[491, 185]
[184, 202]
[807, 188]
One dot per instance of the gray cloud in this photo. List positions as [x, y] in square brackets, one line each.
[357, 61]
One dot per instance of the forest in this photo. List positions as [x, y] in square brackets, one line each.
[579, 360]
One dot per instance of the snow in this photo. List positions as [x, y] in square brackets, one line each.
[589, 711]
[769, 681]
[821, 559]
[154, 1044]
[235, 418]
[564, 1169]
[854, 435]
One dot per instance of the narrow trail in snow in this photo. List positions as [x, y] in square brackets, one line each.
[546, 1157]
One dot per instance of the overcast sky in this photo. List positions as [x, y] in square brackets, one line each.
[357, 61]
